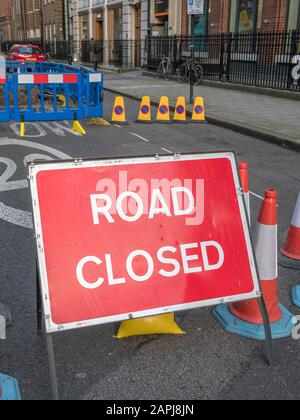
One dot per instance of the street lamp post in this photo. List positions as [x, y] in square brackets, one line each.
[192, 72]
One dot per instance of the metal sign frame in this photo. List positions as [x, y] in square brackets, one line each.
[43, 303]
[34, 169]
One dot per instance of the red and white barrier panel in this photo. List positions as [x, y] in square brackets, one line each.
[45, 79]
[2, 80]
[95, 78]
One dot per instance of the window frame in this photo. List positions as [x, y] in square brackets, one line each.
[237, 23]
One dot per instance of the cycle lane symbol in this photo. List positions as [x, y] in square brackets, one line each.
[10, 214]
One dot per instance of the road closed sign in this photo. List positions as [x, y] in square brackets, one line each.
[128, 238]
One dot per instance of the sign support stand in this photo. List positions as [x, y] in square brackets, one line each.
[268, 331]
[52, 366]
[49, 339]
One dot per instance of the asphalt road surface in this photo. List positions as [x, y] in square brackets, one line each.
[205, 363]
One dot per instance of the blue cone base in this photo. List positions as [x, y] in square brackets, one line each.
[9, 389]
[234, 325]
[296, 296]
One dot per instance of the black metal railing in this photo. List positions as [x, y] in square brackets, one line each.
[118, 53]
[264, 59]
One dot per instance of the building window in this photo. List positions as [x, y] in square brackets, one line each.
[201, 22]
[294, 15]
[247, 15]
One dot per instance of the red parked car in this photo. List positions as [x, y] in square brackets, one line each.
[26, 53]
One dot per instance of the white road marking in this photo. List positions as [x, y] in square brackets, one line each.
[140, 137]
[16, 217]
[39, 130]
[11, 168]
[256, 195]
[9, 214]
[116, 125]
[166, 150]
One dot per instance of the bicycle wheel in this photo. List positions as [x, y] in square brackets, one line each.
[182, 73]
[169, 70]
[198, 74]
[160, 71]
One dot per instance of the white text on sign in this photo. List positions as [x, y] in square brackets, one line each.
[167, 261]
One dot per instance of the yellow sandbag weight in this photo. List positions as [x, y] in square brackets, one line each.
[158, 324]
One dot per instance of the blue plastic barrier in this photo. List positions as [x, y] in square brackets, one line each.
[9, 388]
[81, 88]
[5, 106]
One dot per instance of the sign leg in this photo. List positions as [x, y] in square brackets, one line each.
[52, 366]
[268, 331]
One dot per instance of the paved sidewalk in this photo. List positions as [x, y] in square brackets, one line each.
[269, 118]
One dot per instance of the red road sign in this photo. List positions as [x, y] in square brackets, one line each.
[135, 237]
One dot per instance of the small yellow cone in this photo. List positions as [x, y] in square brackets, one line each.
[77, 127]
[163, 114]
[159, 324]
[180, 111]
[199, 111]
[145, 111]
[119, 114]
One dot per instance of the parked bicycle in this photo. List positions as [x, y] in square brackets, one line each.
[165, 69]
[184, 72]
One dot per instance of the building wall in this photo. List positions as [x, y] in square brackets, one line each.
[5, 20]
[53, 20]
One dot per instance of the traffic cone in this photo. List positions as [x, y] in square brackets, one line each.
[163, 114]
[290, 252]
[180, 111]
[199, 111]
[245, 318]
[152, 325]
[145, 111]
[296, 296]
[244, 175]
[119, 114]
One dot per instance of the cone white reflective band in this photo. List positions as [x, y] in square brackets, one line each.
[296, 215]
[25, 79]
[265, 247]
[95, 78]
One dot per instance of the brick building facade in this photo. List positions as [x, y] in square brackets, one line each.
[245, 15]
[38, 20]
[5, 20]
[26, 19]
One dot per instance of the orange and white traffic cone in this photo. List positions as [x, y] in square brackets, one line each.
[244, 175]
[290, 252]
[245, 318]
